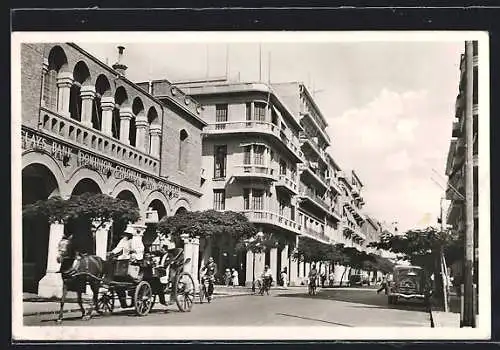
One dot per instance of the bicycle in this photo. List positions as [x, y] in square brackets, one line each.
[265, 286]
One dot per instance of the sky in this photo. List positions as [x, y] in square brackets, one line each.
[389, 105]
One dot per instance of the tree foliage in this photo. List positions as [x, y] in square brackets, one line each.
[208, 223]
[87, 209]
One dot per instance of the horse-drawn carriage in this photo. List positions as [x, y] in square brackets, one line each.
[140, 285]
[137, 284]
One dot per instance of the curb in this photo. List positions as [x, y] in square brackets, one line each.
[65, 311]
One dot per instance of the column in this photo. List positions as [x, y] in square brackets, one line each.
[141, 123]
[260, 259]
[64, 83]
[285, 261]
[101, 240]
[307, 269]
[249, 271]
[292, 274]
[125, 116]
[107, 106]
[87, 94]
[51, 284]
[45, 69]
[155, 134]
[301, 272]
[273, 264]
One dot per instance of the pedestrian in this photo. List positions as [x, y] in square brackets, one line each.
[323, 278]
[227, 277]
[284, 277]
[383, 285]
[235, 278]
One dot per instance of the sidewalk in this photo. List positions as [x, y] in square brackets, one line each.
[450, 319]
[36, 305]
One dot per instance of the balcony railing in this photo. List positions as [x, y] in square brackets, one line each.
[315, 233]
[267, 217]
[312, 196]
[256, 126]
[305, 138]
[286, 182]
[70, 130]
[306, 166]
[255, 170]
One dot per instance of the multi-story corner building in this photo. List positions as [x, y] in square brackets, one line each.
[455, 165]
[250, 158]
[87, 128]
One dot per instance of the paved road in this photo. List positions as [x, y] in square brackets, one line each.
[335, 307]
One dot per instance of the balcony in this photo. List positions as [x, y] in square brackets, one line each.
[252, 126]
[356, 213]
[307, 168]
[309, 231]
[254, 171]
[456, 132]
[305, 139]
[270, 218]
[286, 183]
[72, 131]
[333, 182]
[309, 195]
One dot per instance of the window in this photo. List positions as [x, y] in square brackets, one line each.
[246, 155]
[220, 115]
[183, 149]
[246, 199]
[257, 199]
[220, 161]
[259, 111]
[253, 199]
[258, 155]
[282, 167]
[219, 199]
[282, 208]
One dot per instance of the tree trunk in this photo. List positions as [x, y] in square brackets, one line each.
[343, 274]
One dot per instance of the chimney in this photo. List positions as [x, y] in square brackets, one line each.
[119, 66]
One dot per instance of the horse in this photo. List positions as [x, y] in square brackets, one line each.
[76, 271]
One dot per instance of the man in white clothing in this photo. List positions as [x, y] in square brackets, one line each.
[136, 246]
[123, 247]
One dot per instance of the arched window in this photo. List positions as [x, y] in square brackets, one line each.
[102, 88]
[138, 110]
[121, 97]
[152, 120]
[57, 61]
[81, 75]
[183, 150]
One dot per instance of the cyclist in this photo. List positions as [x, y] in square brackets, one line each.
[208, 271]
[313, 275]
[267, 279]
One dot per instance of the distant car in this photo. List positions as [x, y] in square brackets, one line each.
[409, 282]
[359, 280]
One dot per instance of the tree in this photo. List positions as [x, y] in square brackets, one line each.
[208, 223]
[422, 247]
[83, 214]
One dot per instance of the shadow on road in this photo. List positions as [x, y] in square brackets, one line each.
[367, 298]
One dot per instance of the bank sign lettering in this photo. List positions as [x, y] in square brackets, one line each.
[32, 141]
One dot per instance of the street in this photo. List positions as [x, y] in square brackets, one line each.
[346, 307]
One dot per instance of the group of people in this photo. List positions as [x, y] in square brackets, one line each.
[231, 277]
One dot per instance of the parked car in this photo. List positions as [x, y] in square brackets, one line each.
[409, 283]
[359, 280]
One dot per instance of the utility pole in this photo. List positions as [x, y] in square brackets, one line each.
[468, 312]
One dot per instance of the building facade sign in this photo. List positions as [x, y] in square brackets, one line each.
[65, 154]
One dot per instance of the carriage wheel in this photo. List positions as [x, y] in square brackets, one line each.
[184, 291]
[106, 301]
[143, 298]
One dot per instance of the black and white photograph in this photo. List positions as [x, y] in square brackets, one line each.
[250, 185]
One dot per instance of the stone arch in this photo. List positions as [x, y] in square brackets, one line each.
[103, 86]
[138, 107]
[86, 185]
[181, 203]
[125, 185]
[121, 100]
[121, 96]
[39, 182]
[81, 73]
[153, 116]
[57, 59]
[33, 157]
[158, 196]
[86, 173]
